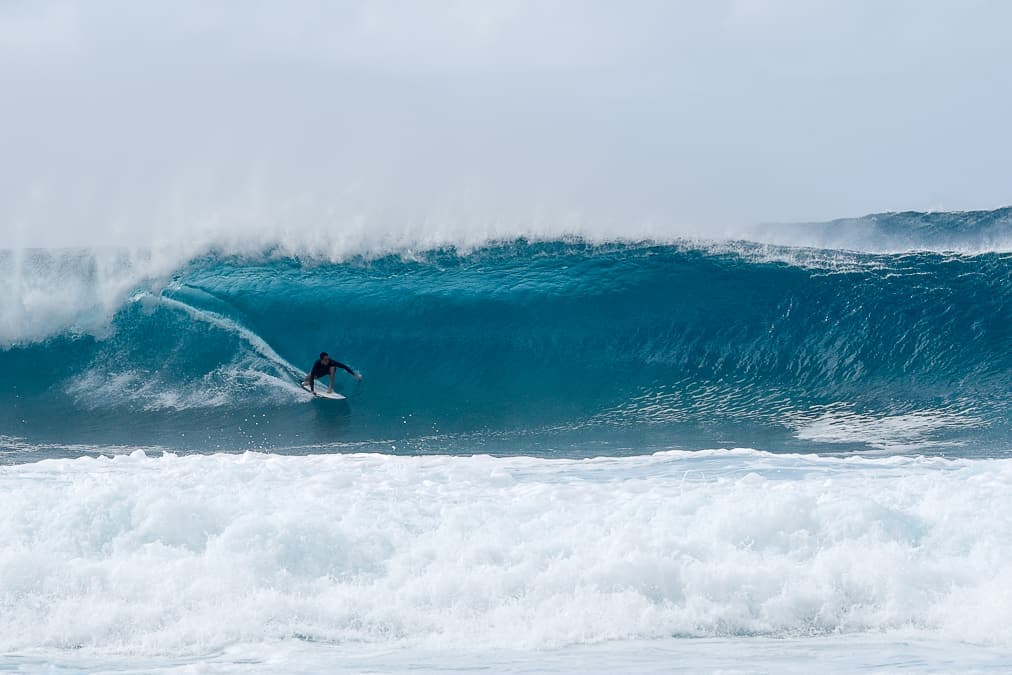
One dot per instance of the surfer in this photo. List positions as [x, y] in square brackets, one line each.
[327, 366]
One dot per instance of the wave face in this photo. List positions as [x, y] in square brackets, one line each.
[533, 347]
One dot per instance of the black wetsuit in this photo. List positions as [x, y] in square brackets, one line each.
[319, 369]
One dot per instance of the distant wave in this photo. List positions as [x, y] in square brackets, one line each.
[965, 231]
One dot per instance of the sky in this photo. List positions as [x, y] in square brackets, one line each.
[150, 122]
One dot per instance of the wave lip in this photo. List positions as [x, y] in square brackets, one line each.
[44, 292]
[186, 555]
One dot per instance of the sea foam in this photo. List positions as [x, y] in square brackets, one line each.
[188, 554]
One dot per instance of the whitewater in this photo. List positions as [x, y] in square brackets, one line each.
[568, 453]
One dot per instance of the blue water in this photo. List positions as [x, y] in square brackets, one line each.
[559, 348]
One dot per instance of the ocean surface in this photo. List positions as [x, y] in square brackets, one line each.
[746, 455]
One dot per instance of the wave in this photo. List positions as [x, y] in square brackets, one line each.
[47, 291]
[965, 231]
[682, 343]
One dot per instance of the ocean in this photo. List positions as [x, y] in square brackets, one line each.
[778, 453]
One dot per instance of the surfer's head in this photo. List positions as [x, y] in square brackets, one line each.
[324, 357]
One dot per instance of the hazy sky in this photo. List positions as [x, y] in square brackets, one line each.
[141, 120]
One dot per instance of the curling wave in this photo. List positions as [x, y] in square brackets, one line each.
[630, 344]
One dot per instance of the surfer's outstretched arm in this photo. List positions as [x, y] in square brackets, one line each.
[338, 364]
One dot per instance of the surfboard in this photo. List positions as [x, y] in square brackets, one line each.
[321, 392]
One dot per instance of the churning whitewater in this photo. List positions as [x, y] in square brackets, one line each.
[541, 454]
[186, 554]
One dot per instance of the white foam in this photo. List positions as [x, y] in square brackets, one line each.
[188, 555]
[17, 444]
[100, 387]
[51, 291]
[894, 433]
[261, 369]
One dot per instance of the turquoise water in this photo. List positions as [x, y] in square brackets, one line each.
[547, 348]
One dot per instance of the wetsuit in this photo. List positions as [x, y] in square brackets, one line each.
[319, 370]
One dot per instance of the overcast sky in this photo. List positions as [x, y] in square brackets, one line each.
[132, 120]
